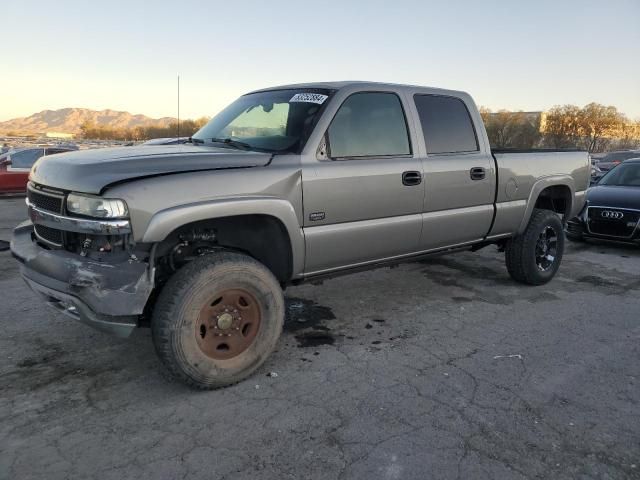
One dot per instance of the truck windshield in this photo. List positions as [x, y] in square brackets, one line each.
[625, 175]
[270, 121]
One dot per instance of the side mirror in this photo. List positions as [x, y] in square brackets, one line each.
[6, 161]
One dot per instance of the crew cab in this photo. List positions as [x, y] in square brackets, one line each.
[286, 185]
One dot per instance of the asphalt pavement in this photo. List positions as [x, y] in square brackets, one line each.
[440, 369]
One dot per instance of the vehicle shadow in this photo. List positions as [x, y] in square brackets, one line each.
[603, 246]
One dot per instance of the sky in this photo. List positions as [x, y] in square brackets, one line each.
[126, 55]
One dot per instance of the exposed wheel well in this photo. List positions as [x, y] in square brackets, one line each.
[556, 198]
[263, 237]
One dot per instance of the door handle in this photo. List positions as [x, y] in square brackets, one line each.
[477, 173]
[411, 178]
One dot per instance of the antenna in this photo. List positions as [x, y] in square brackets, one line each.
[178, 105]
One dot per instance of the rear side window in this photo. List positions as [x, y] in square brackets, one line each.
[26, 158]
[369, 124]
[446, 124]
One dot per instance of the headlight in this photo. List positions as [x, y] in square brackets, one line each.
[99, 207]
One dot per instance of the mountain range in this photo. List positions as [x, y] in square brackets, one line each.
[69, 120]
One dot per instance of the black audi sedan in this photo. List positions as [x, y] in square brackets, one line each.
[612, 209]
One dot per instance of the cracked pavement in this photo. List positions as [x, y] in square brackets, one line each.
[440, 369]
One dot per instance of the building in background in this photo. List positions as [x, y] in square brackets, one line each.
[58, 135]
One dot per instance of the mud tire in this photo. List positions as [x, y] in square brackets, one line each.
[174, 324]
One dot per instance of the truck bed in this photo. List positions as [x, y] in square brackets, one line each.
[523, 174]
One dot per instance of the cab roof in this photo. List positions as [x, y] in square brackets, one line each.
[338, 85]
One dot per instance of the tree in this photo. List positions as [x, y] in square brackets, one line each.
[593, 127]
[497, 125]
[88, 129]
[511, 129]
[527, 135]
[105, 132]
[628, 136]
[562, 126]
[598, 124]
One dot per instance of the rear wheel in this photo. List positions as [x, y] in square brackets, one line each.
[534, 257]
[218, 319]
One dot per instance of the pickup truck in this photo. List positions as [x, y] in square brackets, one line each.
[286, 185]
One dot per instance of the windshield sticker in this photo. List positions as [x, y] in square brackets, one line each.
[309, 98]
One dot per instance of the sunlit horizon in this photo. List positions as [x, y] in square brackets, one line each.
[126, 56]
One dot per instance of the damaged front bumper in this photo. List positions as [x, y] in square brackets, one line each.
[108, 296]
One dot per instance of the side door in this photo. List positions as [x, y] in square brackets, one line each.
[363, 190]
[458, 170]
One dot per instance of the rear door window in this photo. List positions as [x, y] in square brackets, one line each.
[446, 124]
[26, 158]
[369, 124]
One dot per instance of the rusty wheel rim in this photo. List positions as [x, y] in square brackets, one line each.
[228, 324]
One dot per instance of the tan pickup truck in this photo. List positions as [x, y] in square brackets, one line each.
[285, 185]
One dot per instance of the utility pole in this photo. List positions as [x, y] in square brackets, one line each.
[178, 105]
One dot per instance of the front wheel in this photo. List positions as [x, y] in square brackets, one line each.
[218, 319]
[534, 257]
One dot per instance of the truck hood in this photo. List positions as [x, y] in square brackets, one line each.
[90, 171]
[618, 197]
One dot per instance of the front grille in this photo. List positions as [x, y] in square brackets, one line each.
[45, 200]
[623, 227]
[50, 201]
[50, 235]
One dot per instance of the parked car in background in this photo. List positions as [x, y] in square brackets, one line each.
[612, 159]
[167, 141]
[612, 209]
[16, 164]
[596, 173]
